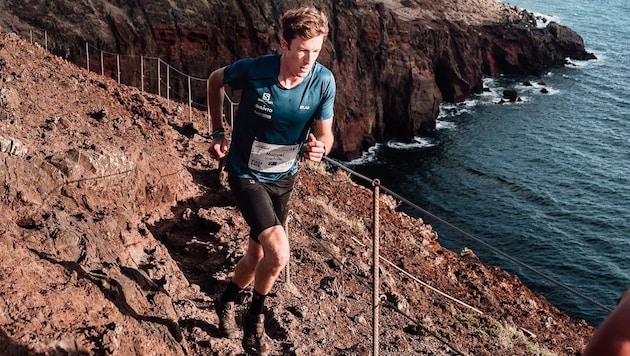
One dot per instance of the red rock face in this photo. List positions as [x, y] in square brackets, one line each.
[394, 62]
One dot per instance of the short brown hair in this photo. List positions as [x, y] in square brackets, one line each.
[306, 22]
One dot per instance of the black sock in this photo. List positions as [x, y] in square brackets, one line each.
[230, 293]
[258, 302]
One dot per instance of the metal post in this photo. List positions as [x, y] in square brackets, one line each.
[375, 275]
[159, 77]
[168, 86]
[102, 66]
[189, 101]
[46, 40]
[118, 66]
[87, 56]
[142, 73]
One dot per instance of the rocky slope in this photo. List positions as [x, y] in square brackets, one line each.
[116, 234]
[408, 55]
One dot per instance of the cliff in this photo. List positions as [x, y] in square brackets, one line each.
[408, 56]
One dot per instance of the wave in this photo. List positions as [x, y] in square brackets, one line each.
[456, 109]
[535, 88]
[445, 125]
[418, 142]
[492, 95]
[367, 157]
[371, 155]
[525, 89]
[519, 189]
[600, 55]
[542, 20]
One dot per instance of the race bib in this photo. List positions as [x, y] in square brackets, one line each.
[272, 158]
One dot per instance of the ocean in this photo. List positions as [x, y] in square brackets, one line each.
[544, 180]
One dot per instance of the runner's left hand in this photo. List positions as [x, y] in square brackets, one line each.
[314, 149]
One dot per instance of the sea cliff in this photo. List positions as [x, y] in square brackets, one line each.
[395, 61]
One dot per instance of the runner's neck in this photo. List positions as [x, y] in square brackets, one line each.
[286, 80]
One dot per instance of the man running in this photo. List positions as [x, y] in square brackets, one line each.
[283, 97]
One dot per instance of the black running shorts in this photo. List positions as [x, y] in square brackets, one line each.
[263, 205]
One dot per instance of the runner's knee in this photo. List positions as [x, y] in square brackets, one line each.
[276, 247]
[254, 255]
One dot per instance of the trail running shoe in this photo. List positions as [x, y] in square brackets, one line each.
[255, 341]
[227, 320]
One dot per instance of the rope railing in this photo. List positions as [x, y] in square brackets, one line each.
[152, 74]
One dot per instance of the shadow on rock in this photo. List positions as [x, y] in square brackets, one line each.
[192, 234]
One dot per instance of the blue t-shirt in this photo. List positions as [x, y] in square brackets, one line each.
[272, 120]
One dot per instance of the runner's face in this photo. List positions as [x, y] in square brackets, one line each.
[301, 54]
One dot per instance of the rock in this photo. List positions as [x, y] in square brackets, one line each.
[511, 95]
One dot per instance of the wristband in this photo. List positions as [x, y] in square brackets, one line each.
[218, 133]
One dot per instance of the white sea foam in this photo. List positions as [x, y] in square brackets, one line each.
[445, 125]
[543, 20]
[601, 57]
[418, 142]
[371, 154]
[495, 86]
[492, 95]
[536, 87]
[578, 64]
[456, 109]
[368, 156]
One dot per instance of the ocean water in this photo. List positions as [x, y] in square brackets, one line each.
[544, 180]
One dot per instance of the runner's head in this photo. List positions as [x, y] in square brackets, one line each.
[305, 22]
